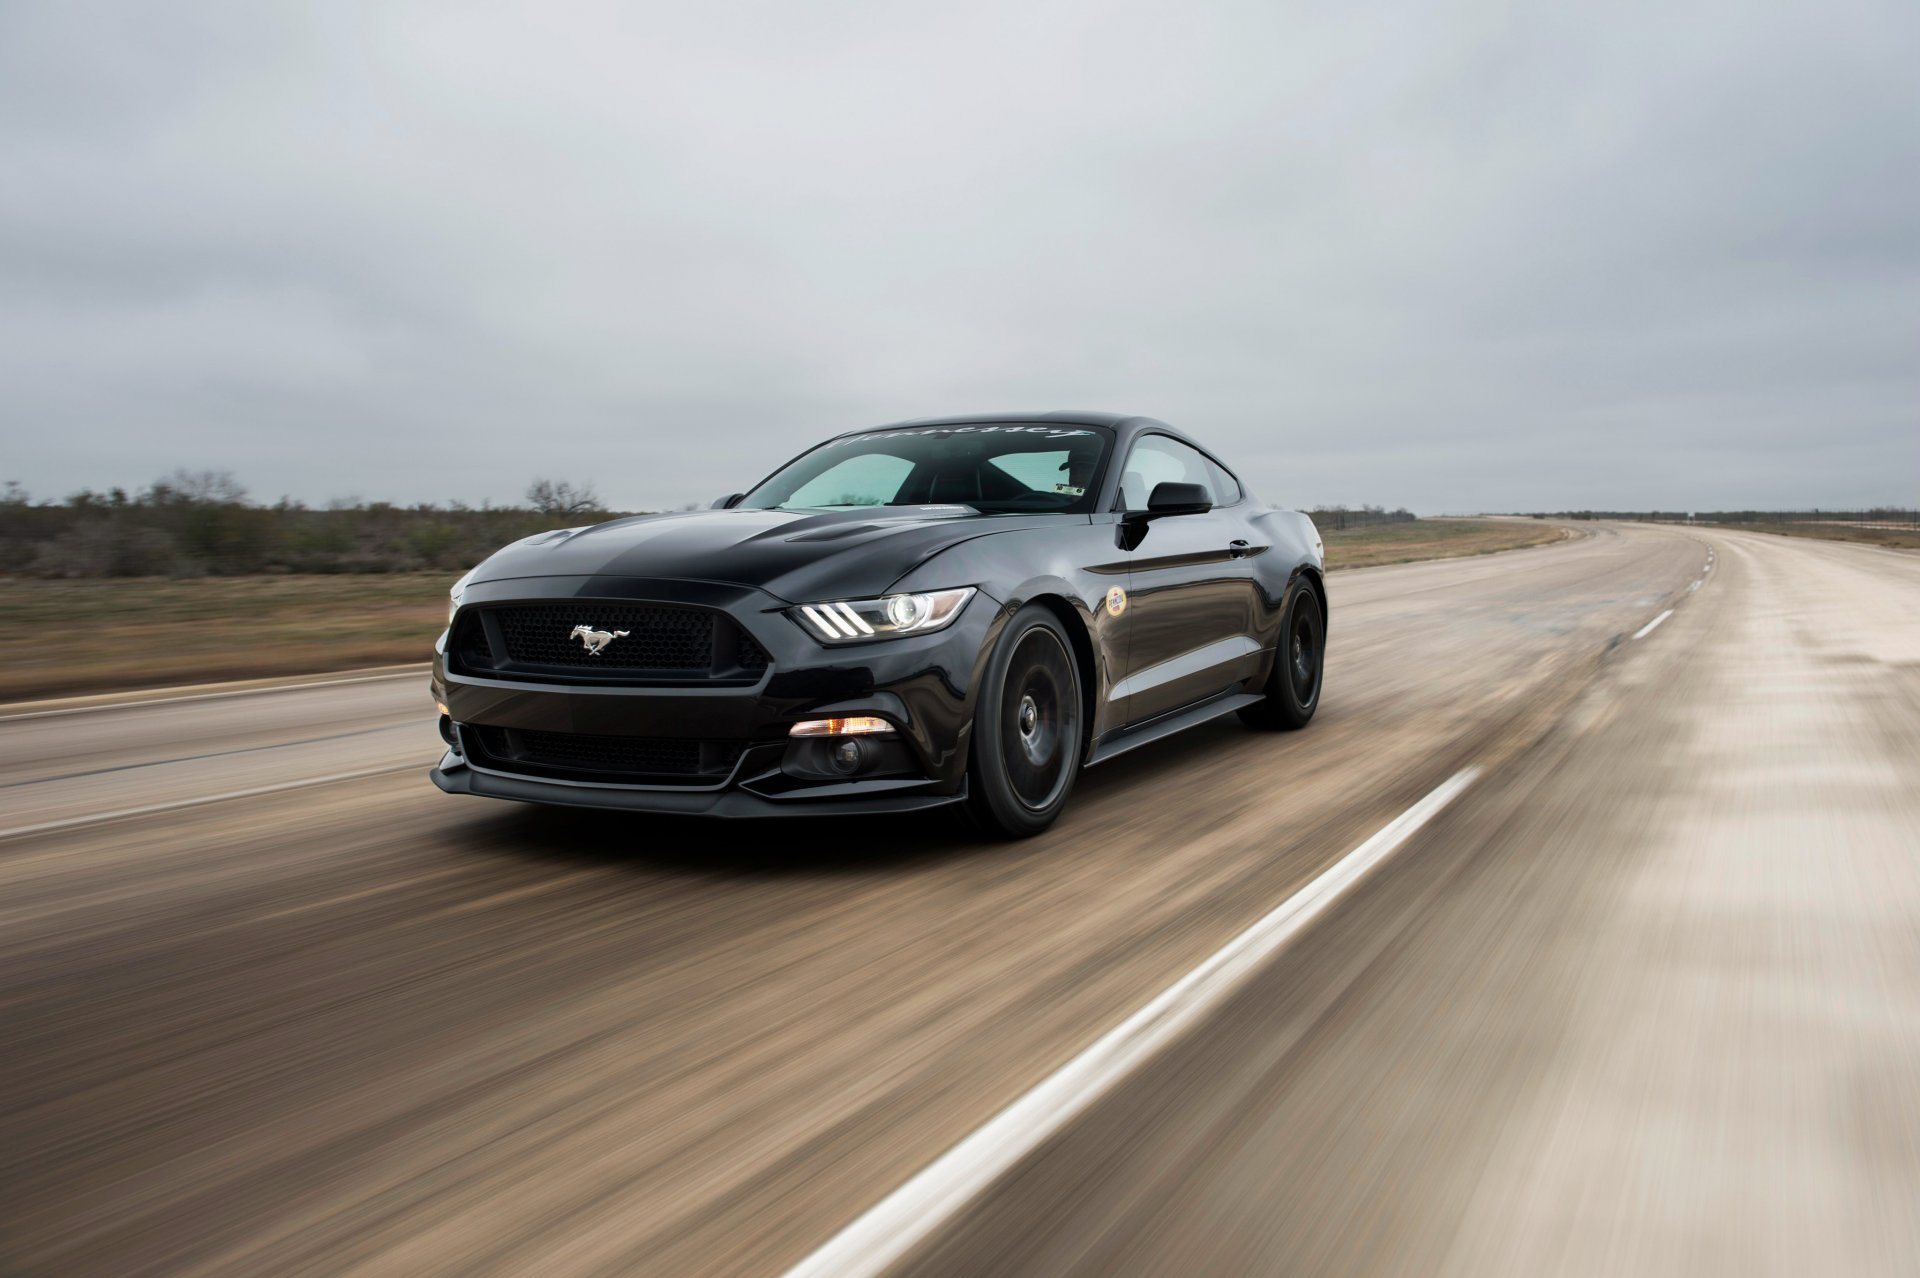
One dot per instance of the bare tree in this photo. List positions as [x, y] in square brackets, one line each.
[563, 497]
[200, 488]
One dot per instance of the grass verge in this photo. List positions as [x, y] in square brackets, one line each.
[60, 638]
[1894, 538]
[1435, 539]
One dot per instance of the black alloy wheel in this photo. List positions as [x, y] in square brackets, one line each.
[1026, 729]
[1299, 665]
[1303, 658]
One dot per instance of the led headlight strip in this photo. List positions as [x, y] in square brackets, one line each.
[852, 620]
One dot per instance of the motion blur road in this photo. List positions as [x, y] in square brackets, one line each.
[1644, 998]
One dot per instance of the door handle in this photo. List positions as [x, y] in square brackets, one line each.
[1238, 549]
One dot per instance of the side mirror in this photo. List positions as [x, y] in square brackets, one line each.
[726, 503]
[1178, 499]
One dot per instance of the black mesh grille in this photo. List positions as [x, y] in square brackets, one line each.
[605, 758]
[469, 642]
[655, 638]
[751, 655]
[637, 643]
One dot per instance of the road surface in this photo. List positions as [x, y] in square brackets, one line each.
[1642, 997]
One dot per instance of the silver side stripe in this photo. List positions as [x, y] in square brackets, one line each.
[1206, 657]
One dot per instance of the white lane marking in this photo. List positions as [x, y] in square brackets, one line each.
[1648, 629]
[903, 1219]
[212, 696]
[174, 805]
[1695, 586]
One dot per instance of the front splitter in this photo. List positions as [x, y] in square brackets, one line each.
[460, 778]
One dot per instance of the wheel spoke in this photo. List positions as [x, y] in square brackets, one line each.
[1304, 654]
[1039, 719]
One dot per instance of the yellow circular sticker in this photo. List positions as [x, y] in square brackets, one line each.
[1116, 601]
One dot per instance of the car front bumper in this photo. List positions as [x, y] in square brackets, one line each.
[843, 799]
[923, 685]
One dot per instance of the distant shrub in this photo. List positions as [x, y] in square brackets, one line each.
[106, 548]
[1341, 518]
[198, 523]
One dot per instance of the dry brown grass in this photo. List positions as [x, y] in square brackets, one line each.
[64, 637]
[1435, 539]
[61, 637]
[1894, 538]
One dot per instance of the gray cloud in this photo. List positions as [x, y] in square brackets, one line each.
[1457, 256]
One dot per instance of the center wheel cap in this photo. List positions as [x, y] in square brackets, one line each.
[1029, 716]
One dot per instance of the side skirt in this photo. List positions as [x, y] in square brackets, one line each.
[1118, 743]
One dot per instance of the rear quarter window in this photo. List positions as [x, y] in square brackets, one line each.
[1226, 489]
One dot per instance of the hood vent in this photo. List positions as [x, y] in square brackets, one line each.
[835, 533]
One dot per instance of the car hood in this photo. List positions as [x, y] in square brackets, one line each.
[796, 555]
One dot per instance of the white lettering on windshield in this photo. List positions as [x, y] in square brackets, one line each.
[1049, 432]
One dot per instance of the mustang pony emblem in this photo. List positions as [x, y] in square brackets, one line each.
[595, 640]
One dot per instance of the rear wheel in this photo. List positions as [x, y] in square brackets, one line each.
[1026, 728]
[1293, 689]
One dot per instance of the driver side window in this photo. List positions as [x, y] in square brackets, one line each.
[1158, 459]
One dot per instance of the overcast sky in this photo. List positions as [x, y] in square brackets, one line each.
[1450, 255]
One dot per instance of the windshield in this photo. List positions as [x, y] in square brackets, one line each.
[997, 468]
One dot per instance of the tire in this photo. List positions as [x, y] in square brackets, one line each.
[1299, 667]
[1026, 729]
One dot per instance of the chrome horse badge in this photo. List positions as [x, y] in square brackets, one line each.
[594, 641]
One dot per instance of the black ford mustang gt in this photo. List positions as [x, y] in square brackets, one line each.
[954, 611]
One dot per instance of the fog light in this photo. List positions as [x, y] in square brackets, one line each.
[858, 725]
[847, 755]
[847, 760]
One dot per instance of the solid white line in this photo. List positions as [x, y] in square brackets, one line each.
[1648, 629]
[211, 696]
[904, 1218]
[68, 823]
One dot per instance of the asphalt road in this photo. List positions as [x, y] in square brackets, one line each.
[1644, 998]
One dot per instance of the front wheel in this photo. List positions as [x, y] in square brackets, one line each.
[1026, 728]
[1293, 689]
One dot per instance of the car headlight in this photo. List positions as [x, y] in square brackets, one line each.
[453, 595]
[856, 620]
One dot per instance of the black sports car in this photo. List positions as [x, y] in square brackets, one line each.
[965, 610]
